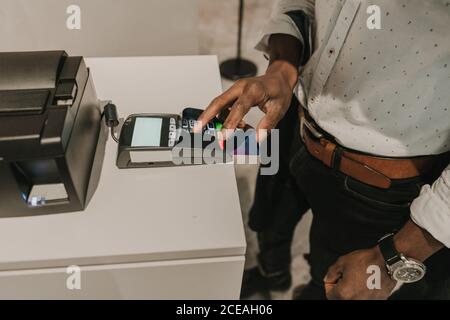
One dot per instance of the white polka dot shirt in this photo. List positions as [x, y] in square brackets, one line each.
[378, 81]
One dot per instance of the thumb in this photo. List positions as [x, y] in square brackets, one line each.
[334, 274]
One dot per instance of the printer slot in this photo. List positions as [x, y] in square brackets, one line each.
[19, 102]
[40, 183]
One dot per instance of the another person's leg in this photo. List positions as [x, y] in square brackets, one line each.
[277, 209]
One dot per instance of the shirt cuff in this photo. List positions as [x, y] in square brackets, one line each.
[431, 210]
[278, 24]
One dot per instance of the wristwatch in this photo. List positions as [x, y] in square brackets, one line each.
[399, 267]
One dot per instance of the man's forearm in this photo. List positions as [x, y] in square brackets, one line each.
[415, 242]
[285, 56]
[284, 47]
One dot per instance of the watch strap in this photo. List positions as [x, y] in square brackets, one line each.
[388, 250]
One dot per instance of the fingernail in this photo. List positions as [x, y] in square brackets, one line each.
[261, 135]
[198, 127]
[226, 133]
[220, 136]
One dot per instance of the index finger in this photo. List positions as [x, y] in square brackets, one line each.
[218, 104]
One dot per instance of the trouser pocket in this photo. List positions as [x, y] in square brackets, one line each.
[399, 196]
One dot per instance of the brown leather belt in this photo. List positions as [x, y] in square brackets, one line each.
[375, 171]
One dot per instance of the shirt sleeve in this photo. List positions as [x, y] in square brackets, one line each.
[431, 210]
[292, 17]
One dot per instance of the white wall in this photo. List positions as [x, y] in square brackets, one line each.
[108, 27]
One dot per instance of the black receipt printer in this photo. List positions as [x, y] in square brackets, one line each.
[52, 138]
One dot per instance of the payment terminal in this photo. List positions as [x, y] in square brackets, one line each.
[148, 140]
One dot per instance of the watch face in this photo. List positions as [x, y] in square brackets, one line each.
[409, 271]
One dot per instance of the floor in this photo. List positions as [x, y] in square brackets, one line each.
[218, 33]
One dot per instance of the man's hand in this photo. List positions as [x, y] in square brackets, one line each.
[347, 278]
[272, 92]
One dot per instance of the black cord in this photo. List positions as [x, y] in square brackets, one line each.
[113, 135]
[111, 119]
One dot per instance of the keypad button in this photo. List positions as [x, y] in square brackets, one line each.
[171, 143]
[172, 127]
[185, 124]
[172, 121]
[192, 123]
[172, 135]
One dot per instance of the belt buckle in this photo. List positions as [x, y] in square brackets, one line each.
[304, 123]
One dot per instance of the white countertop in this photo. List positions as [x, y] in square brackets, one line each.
[140, 214]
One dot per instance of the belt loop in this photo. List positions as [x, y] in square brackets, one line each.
[337, 157]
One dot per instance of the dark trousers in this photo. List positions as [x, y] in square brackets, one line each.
[347, 215]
